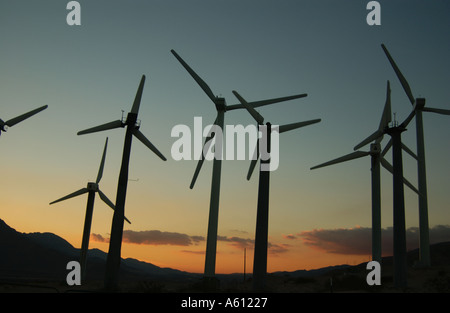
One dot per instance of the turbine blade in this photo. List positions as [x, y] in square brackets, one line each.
[347, 157]
[399, 75]
[73, 194]
[288, 127]
[106, 200]
[255, 159]
[110, 125]
[137, 99]
[440, 111]
[197, 78]
[102, 163]
[22, 117]
[386, 118]
[109, 203]
[252, 167]
[258, 117]
[147, 142]
[387, 147]
[369, 139]
[202, 157]
[256, 104]
[408, 119]
[389, 167]
[409, 151]
[197, 171]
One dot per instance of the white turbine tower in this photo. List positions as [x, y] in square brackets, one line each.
[418, 108]
[221, 107]
[91, 189]
[13, 121]
[262, 215]
[115, 244]
[377, 158]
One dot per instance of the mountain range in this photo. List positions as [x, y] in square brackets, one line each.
[40, 257]
[44, 256]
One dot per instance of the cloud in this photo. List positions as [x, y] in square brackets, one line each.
[241, 243]
[290, 237]
[98, 238]
[193, 252]
[341, 241]
[154, 237]
[358, 240]
[275, 249]
[237, 242]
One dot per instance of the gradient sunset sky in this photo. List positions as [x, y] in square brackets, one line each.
[263, 49]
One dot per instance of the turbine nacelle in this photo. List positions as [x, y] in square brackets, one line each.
[419, 104]
[92, 187]
[220, 104]
[132, 120]
[375, 148]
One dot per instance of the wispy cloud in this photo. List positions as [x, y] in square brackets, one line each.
[276, 249]
[98, 238]
[154, 237]
[237, 242]
[358, 240]
[241, 243]
[290, 237]
[157, 237]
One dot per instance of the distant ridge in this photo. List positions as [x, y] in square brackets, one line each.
[44, 256]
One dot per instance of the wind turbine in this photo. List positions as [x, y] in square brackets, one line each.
[377, 158]
[115, 243]
[18, 119]
[221, 107]
[400, 261]
[418, 108]
[91, 189]
[262, 215]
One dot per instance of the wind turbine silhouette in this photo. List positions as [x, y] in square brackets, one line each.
[115, 243]
[418, 107]
[395, 131]
[221, 107]
[262, 215]
[91, 189]
[13, 121]
[377, 158]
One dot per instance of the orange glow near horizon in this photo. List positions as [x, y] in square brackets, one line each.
[230, 259]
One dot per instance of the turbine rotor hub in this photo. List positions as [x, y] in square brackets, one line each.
[220, 104]
[420, 103]
[375, 148]
[92, 186]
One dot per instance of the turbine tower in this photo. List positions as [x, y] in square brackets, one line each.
[262, 215]
[115, 243]
[91, 189]
[11, 122]
[418, 107]
[400, 261]
[221, 107]
[377, 158]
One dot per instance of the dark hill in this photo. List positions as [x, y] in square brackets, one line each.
[44, 256]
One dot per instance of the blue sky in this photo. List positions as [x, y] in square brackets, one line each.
[263, 49]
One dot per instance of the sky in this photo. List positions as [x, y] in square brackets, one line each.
[87, 74]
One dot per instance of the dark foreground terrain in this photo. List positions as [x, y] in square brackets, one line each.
[37, 263]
